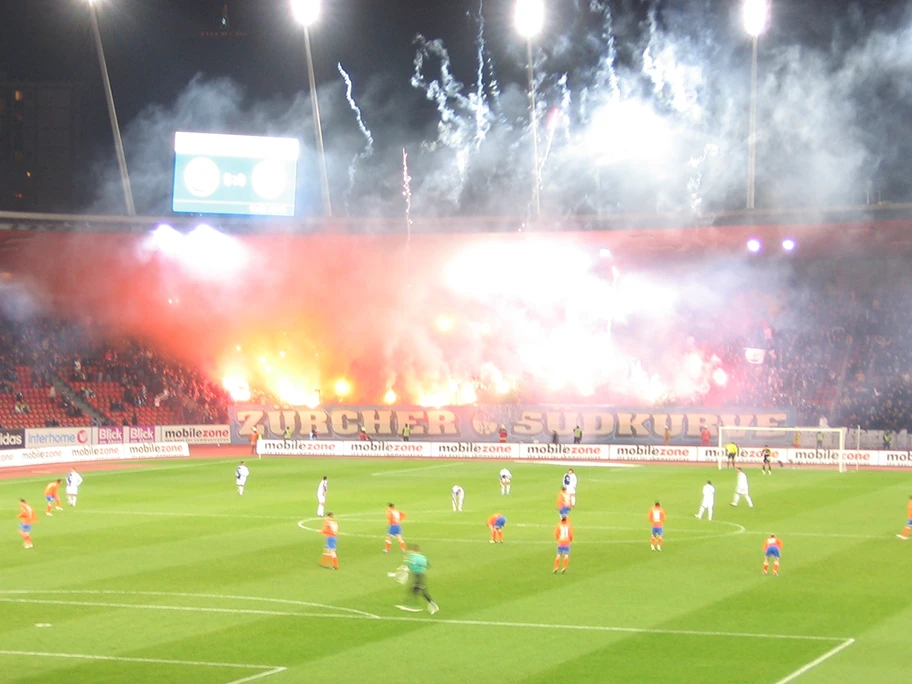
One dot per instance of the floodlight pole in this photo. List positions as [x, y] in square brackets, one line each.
[318, 128]
[536, 169]
[752, 132]
[112, 114]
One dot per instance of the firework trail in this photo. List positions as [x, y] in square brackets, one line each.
[694, 182]
[482, 111]
[407, 194]
[558, 118]
[365, 131]
[606, 75]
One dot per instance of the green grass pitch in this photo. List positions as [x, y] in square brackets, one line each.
[164, 574]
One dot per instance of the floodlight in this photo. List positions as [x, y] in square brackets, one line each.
[530, 17]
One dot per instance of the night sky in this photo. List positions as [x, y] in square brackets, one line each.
[155, 48]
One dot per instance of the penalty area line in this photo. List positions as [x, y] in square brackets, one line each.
[814, 663]
[413, 470]
[267, 670]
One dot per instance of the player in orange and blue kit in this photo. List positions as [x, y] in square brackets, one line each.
[772, 548]
[496, 523]
[657, 518]
[564, 502]
[394, 518]
[905, 533]
[27, 518]
[330, 532]
[564, 535]
[50, 494]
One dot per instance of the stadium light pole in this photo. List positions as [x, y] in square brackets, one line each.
[306, 13]
[112, 112]
[755, 14]
[530, 18]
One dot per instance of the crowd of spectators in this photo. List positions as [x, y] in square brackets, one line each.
[829, 341]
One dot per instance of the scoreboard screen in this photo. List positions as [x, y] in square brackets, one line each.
[234, 174]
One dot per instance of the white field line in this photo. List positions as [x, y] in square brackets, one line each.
[413, 470]
[814, 663]
[268, 669]
[465, 623]
[221, 597]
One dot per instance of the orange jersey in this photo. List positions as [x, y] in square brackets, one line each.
[254, 436]
[910, 509]
[27, 514]
[563, 500]
[772, 541]
[51, 489]
[564, 533]
[330, 528]
[394, 516]
[656, 516]
[493, 519]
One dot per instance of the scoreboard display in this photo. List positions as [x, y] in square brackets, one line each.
[234, 174]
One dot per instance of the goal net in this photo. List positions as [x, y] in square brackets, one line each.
[790, 445]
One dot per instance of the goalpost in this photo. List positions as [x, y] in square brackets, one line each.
[809, 438]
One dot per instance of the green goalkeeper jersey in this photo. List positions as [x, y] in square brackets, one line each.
[417, 563]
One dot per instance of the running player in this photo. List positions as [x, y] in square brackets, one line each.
[240, 477]
[772, 548]
[564, 502]
[657, 518]
[506, 477]
[394, 518]
[418, 565]
[908, 528]
[458, 498]
[564, 535]
[73, 480]
[767, 468]
[496, 523]
[51, 496]
[322, 489]
[570, 483]
[330, 532]
[27, 518]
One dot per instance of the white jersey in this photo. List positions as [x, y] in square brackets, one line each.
[506, 475]
[73, 480]
[458, 491]
[570, 482]
[741, 487]
[241, 474]
[709, 494]
[322, 488]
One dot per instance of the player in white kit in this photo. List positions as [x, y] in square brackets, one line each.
[741, 490]
[322, 488]
[458, 497]
[709, 500]
[506, 478]
[240, 477]
[570, 485]
[73, 480]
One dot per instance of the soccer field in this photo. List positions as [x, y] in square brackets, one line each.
[164, 574]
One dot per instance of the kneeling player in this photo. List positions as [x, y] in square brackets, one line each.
[772, 548]
[458, 497]
[564, 535]
[496, 523]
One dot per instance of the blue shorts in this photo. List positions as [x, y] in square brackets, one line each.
[657, 531]
[565, 510]
[50, 498]
[331, 543]
[563, 549]
[772, 551]
[394, 530]
[909, 523]
[25, 527]
[500, 523]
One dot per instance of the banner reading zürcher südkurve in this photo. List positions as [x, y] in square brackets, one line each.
[599, 424]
